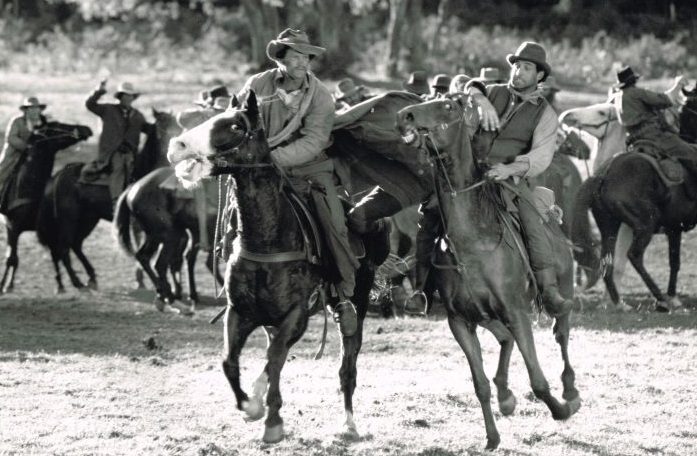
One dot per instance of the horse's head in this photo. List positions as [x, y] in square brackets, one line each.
[434, 122]
[234, 137]
[56, 136]
[688, 115]
[594, 119]
[166, 125]
[570, 143]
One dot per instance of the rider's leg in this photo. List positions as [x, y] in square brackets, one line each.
[429, 231]
[542, 257]
[200, 202]
[368, 216]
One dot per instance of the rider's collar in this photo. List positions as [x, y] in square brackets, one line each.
[534, 97]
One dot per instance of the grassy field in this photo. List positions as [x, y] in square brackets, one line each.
[105, 373]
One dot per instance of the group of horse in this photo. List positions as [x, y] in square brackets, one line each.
[481, 276]
[63, 211]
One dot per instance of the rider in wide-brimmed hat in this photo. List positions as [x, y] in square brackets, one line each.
[517, 138]
[348, 94]
[297, 111]
[490, 75]
[640, 112]
[17, 134]
[122, 125]
[440, 86]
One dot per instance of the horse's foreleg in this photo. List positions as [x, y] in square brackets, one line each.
[55, 259]
[164, 260]
[143, 256]
[289, 332]
[522, 332]
[608, 234]
[235, 335]
[466, 336]
[624, 240]
[175, 267]
[64, 256]
[641, 241]
[89, 269]
[674, 241]
[191, 255]
[568, 376]
[506, 398]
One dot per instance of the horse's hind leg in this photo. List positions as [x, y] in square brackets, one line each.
[92, 281]
[522, 332]
[466, 335]
[641, 241]
[191, 255]
[55, 259]
[289, 332]
[609, 227]
[64, 256]
[175, 266]
[674, 241]
[506, 398]
[568, 376]
[11, 261]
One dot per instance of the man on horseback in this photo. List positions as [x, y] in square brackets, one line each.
[639, 112]
[517, 136]
[297, 112]
[16, 136]
[120, 138]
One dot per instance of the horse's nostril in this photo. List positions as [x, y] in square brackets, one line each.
[410, 117]
[181, 145]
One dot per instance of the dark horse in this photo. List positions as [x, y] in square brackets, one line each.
[70, 209]
[269, 281]
[482, 278]
[26, 187]
[164, 218]
[630, 191]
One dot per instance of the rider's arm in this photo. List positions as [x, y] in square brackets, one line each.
[654, 99]
[12, 135]
[314, 133]
[543, 146]
[92, 102]
[489, 119]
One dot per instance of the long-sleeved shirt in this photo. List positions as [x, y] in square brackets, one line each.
[278, 107]
[635, 106]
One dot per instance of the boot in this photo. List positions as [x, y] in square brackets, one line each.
[417, 304]
[344, 314]
[554, 303]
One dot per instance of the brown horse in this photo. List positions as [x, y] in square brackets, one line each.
[269, 281]
[71, 209]
[482, 277]
[26, 187]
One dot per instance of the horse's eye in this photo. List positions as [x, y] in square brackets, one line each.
[234, 127]
[448, 107]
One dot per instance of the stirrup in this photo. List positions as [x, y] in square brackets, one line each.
[420, 297]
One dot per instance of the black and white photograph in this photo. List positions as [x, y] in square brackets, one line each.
[348, 227]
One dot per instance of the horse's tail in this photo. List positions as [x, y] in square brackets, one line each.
[585, 251]
[58, 188]
[122, 223]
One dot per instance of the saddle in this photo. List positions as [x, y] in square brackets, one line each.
[671, 172]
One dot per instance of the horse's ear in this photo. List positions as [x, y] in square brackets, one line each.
[251, 105]
[155, 112]
[234, 102]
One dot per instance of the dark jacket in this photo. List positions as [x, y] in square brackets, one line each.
[636, 106]
[117, 130]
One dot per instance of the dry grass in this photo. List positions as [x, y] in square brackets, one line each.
[76, 377]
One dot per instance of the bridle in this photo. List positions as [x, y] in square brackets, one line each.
[232, 148]
[42, 133]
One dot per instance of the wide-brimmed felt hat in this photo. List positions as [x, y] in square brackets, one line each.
[345, 88]
[417, 83]
[626, 76]
[32, 102]
[127, 88]
[441, 81]
[490, 74]
[294, 39]
[530, 51]
[218, 91]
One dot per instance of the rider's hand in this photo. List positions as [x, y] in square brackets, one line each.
[102, 85]
[499, 172]
[487, 113]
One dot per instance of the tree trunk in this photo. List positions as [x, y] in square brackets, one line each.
[331, 15]
[263, 27]
[443, 15]
[398, 9]
[415, 43]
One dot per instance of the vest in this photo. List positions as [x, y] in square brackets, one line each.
[515, 138]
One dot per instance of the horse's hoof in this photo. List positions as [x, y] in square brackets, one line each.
[254, 409]
[570, 395]
[507, 406]
[574, 405]
[181, 308]
[92, 285]
[663, 306]
[349, 432]
[160, 304]
[60, 290]
[492, 442]
[674, 302]
[273, 434]
[623, 307]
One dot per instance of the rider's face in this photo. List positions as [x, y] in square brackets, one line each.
[295, 64]
[524, 75]
[33, 112]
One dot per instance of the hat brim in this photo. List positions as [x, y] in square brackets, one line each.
[121, 92]
[341, 95]
[308, 49]
[40, 106]
[620, 85]
[546, 69]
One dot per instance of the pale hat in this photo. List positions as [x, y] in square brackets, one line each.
[127, 88]
[32, 102]
[294, 39]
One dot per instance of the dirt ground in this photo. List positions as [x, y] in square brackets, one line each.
[105, 373]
